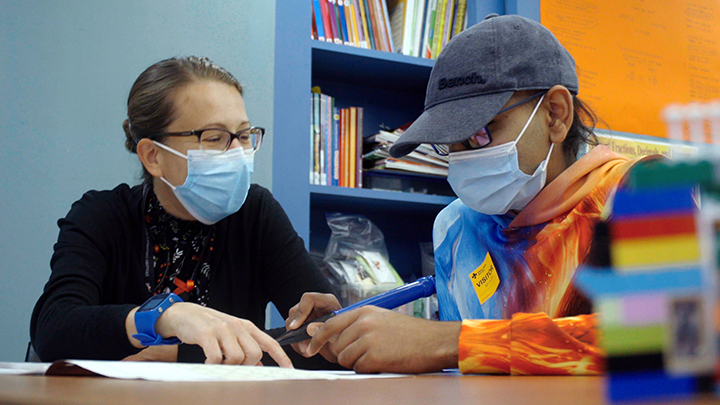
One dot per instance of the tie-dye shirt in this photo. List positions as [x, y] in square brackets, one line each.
[518, 271]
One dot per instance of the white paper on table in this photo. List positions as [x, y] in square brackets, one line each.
[156, 371]
[23, 368]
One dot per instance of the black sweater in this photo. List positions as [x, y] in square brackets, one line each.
[98, 272]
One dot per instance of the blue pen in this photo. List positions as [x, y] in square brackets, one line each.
[423, 287]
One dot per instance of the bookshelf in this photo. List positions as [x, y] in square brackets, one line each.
[391, 89]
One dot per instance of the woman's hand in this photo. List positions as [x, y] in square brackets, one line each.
[311, 306]
[372, 340]
[223, 338]
[166, 353]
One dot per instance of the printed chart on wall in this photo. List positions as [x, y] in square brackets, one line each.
[635, 57]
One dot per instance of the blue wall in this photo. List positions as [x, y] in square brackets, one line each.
[65, 72]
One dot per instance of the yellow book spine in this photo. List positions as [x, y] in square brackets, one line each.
[363, 16]
[350, 13]
[439, 25]
[352, 166]
[460, 19]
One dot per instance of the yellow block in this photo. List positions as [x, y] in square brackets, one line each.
[663, 250]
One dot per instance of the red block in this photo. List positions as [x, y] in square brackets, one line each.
[642, 227]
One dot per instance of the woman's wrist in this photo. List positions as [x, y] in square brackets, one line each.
[131, 330]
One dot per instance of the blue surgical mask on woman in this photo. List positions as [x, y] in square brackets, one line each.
[489, 180]
[217, 183]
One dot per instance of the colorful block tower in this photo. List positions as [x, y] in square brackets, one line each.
[657, 300]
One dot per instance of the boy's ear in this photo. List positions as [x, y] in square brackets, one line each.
[559, 104]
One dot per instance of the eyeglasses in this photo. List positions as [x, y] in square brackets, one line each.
[482, 138]
[218, 139]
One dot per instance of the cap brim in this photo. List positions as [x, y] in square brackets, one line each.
[450, 122]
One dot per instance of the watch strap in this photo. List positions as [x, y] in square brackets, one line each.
[145, 322]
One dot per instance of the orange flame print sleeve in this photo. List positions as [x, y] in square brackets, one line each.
[484, 347]
[531, 344]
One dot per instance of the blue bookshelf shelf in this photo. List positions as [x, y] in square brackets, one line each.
[360, 66]
[330, 196]
[371, 53]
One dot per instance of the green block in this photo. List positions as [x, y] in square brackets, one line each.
[665, 173]
[619, 340]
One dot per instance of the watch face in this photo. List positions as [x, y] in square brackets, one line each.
[153, 302]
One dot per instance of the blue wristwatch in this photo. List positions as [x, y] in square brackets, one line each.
[148, 314]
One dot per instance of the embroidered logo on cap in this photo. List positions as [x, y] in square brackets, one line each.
[474, 78]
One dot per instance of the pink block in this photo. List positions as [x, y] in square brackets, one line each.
[643, 309]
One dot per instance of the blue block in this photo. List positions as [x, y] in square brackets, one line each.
[654, 384]
[630, 203]
[598, 282]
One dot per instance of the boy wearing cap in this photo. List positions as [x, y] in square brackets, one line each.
[501, 101]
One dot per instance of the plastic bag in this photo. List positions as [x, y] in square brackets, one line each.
[357, 254]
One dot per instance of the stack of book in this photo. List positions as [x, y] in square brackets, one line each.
[411, 27]
[360, 23]
[422, 160]
[336, 143]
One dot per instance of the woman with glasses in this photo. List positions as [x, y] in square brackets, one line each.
[502, 104]
[192, 255]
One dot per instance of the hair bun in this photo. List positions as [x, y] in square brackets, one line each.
[130, 142]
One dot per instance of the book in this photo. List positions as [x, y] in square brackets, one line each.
[461, 17]
[337, 35]
[404, 165]
[429, 29]
[352, 150]
[382, 25]
[421, 8]
[318, 20]
[357, 20]
[316, 151]
[372, 25]
[366, 23]
[340, 5]
[386, 26]
[447, 23]
[342, 146]
[325, 10]
[314, 128]
[352, 29]
[408, 19]
[397, 19]
[336, 147]
[439, 24]
[359, 152]
[313, 31]
[321, 140]
[346, 149]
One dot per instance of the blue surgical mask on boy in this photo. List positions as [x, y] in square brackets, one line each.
[489, 180]
[217, 183]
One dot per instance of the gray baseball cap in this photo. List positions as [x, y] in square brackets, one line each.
[479, 70]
